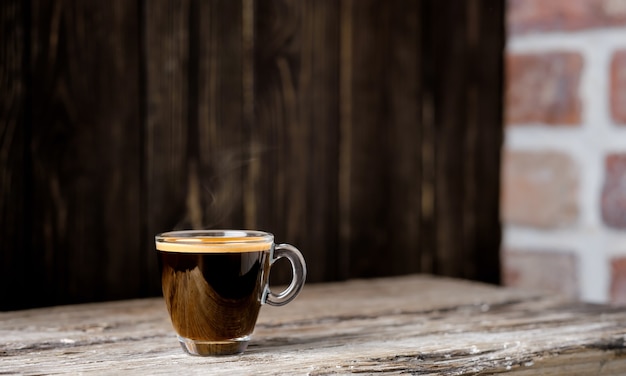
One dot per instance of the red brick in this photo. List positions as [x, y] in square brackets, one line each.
[618, 281]
[541, 271]
[539, 189]
[618, 87]
[543, 88]
[531, 16]
[613, 200]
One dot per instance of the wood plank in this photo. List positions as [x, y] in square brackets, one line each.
[221, 139]
[85, 167]
[403, 94]
[448, 87]
[14, 162]
[296, 128]
[384, 160]
[462, 75]
[488, 88]
[414, 324]
[168, 177]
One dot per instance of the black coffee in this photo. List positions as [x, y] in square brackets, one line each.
[213, 296]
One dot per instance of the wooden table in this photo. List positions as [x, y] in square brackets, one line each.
[416, 324]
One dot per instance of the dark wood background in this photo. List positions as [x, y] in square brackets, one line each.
[366, 132]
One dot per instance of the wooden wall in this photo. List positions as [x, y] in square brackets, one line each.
[366, 132]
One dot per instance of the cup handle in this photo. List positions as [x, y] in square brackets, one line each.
[298, 268]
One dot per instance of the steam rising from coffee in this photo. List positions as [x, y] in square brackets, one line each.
[215, 188]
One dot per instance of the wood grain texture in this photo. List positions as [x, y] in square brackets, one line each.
[460, 77]
[14, 161]
[167, 172]
[384, 156]
[223, 136]
[296, 128]
[85, 134]
[403, 325]
[166, 66]
[487, 95]
[367, 133]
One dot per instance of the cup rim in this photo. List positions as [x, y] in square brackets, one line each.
[182, 240]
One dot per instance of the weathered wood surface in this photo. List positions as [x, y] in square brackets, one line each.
[415, 324]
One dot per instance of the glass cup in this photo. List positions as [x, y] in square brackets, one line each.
[215, 281]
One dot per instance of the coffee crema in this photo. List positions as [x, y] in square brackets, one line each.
[235, 244]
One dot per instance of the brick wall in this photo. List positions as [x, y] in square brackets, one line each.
[564, 159]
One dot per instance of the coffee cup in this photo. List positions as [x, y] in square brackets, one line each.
[215, 281]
